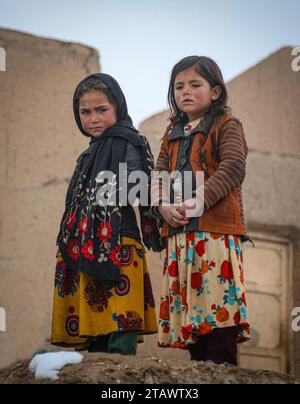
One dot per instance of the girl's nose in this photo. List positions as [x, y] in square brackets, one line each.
[186, 90]
[94, 117]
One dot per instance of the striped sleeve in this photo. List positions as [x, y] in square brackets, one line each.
[231, 171]
[162, 163]
[159, 189]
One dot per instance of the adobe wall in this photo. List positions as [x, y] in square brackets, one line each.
[39, 144]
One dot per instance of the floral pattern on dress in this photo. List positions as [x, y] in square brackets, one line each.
[66, 280]
[129, 321]
[96, 295]
[202, 288]
[83, 307]
[89, 201]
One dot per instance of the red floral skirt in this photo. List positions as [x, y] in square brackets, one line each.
[202, 288]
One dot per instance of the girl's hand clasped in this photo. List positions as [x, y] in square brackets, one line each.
[175, 215]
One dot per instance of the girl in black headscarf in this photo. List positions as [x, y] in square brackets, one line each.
[103, 297]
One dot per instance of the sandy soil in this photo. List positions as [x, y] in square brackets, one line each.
[103, 368]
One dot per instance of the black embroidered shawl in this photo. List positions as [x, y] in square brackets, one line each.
[89, 237]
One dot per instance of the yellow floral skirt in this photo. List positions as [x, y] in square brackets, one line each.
[82, 308]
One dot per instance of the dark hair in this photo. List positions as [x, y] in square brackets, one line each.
[93, 84]
[211, 72]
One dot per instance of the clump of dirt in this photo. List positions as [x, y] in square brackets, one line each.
[104, 368]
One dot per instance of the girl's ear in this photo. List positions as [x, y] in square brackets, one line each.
[216, 93]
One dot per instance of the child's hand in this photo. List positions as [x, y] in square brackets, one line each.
[172, 216]
[189, 208]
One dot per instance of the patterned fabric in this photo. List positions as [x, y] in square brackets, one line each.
[190, 126]
[221, 155]
[232, 154]
[202, 288]
[83, 308]
[232, 168]
[90, 231]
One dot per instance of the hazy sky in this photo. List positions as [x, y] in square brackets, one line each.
[139, 41]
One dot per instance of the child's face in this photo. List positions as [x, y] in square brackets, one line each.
[193, 93]
[96, 113]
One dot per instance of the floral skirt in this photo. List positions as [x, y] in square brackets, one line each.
[202, 288]
[82, 308]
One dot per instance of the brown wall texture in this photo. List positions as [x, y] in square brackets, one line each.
[39, 144]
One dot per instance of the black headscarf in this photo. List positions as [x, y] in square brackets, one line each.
[89, 238]
[123, 119]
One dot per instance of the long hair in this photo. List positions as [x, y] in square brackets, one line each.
[211, 72]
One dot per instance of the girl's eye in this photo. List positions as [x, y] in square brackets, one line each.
[98, 110]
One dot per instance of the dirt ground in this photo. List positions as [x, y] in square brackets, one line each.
[103, 368]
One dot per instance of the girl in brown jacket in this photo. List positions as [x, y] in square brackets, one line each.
[203, 305]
